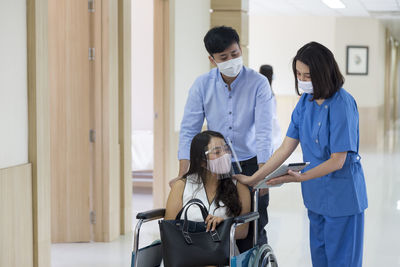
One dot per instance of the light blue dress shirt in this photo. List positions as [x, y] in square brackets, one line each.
[243, 114]
[322, 130]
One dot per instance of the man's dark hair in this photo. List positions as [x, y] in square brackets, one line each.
[324, 71]
[220, 38]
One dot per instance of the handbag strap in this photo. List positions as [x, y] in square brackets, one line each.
[185, 229]
[194, 200]
[203, 212]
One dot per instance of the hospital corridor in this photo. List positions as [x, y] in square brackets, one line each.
[113, 108]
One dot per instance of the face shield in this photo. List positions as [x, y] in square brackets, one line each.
[219, 161]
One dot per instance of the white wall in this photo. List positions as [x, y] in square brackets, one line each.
[13, 84]
[274, 40]
[368, 90]
[277, 45]
[142, 65]
[191, 23]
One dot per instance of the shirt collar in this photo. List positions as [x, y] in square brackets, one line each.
[326, 101]
[240, 75]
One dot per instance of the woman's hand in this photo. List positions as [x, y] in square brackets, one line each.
[212, 222]
[289, 178]
[247, 180]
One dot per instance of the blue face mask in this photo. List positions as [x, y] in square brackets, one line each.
[306, 87]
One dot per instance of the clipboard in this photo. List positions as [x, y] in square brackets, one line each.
[282, 170]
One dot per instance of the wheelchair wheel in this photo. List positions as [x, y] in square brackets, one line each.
[263, 257]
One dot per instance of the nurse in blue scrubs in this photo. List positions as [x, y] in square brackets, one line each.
[325, 123]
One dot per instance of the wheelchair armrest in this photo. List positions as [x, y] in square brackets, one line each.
[151, 214]
[245, 218]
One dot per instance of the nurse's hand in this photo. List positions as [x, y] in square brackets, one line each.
[247, 180]
[289, 178]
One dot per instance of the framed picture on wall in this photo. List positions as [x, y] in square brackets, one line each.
[357, 60]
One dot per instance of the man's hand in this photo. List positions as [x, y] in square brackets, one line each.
[183, 168]
[171, 183]
[264, 191]
[289, 178]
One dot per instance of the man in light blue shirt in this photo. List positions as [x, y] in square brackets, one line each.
[237, 102]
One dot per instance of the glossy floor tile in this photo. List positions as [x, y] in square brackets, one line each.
[288, 226]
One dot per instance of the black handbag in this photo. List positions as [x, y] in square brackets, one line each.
[186, 243]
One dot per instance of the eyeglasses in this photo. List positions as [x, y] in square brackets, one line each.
[219, 150]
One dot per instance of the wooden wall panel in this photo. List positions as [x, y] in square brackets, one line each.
[162, 56]
[245, 54]
[69, 83]
[125, 89]
[230, 5]
[110, 165]
[39, 128]
[239, 20]
[97, 123]
[16, 231]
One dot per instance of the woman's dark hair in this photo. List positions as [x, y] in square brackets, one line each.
[220, 38]
[268, 72]
[324, 71]
[226, 190]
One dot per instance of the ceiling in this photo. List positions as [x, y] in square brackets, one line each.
[386, 10]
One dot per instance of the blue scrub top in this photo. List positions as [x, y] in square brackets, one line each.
[322, 130]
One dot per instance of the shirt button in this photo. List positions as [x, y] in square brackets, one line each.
[230, 112]
[230, 128]
[319, 124]
[230, 97]
[358, 157]
[316, 141]
[326, 106]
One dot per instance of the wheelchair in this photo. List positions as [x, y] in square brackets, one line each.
[257, 256]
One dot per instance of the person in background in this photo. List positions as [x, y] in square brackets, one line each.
[268, 72]
[325, 122]
[237, 102]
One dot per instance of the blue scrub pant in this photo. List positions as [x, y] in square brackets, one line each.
[336, 241]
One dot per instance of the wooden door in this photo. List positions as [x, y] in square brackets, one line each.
[70, 151]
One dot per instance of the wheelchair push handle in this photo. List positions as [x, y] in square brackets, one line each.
[245, 218]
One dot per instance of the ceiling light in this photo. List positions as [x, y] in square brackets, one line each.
[334, 3]
[398, 204]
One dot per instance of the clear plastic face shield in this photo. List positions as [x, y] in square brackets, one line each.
[220, 160]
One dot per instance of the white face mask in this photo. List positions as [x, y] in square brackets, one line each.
[232, 67]
[307, 87]
[221, 165]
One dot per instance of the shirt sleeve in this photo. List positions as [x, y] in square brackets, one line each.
[263, 122]
[343, 117]
[293, 130]
[192, 121]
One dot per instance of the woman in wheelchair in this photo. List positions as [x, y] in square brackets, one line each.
[209, 179]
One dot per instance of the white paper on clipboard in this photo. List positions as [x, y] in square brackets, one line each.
[282, 170]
